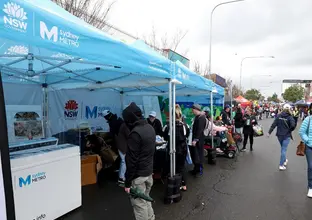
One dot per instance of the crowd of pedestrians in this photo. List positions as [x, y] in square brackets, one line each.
[135, 139]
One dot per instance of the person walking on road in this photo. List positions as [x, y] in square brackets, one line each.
[139, 160]
[305, 133]
[285, 124]
[249, 121]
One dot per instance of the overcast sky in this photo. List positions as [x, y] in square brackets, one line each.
[280, 28]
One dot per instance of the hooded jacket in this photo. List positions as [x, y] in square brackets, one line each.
[140, 145]
[285, 124]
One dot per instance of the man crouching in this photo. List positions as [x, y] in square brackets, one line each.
[139, 160]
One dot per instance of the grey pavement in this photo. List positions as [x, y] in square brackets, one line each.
[246, 188]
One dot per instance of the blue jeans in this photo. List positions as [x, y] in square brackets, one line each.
[284, 145]
[123, 168]
[309, 160]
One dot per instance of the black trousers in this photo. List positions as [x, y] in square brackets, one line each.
[251, 138]
[197, 154]
[180, 166]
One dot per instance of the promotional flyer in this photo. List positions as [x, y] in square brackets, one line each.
[2, 196]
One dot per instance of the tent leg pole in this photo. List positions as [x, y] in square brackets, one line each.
[170, 129]
[45, 111]
[173, 129]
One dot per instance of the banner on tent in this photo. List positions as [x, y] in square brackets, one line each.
[69, 108]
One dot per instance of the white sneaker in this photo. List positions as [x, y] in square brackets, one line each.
[286, 162]
[310, 193]
[281, 168]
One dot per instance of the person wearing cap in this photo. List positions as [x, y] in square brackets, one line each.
[139, 160]
[155, 123]
[119, 131]
[198, 138]
[285, 124]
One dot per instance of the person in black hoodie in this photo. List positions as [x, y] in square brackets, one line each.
[139, 160]
[239, 121]
[249, 121]
[285, 124]
[182, 133]
[198, 139]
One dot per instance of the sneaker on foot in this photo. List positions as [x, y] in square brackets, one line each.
[310, 193]
[281, 168]
[286, 162]
[121, 181]
[243, 150]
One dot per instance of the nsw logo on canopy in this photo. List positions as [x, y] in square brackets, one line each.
[15, 17]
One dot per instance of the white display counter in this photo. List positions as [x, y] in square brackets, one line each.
[46, 181]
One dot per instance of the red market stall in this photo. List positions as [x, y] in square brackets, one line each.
[241, 100]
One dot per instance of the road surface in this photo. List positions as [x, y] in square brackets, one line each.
[247, 188]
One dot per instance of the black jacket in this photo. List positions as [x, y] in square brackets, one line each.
[285, 124]
[157, 126]
[121, 139]
[249, 122]
[114, 125]
[239, 121]
[140, 145]
[199, 127]
[182, 133]
[226, 118]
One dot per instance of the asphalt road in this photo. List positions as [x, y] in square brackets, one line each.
[246, 188]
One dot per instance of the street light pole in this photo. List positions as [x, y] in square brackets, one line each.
[241, 66]
[210, 38]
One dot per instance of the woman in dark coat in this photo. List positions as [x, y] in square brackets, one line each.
[249, 121]
[239, 121]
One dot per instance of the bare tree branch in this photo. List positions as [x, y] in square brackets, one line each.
[165, 42]
[94, 12]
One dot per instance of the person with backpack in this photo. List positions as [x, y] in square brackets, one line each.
[197, 145]
[305, 133]
[285, 124]
[182, 132]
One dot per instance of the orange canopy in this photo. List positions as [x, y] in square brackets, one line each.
[242, 100]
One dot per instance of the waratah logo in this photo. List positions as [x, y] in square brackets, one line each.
[62, 55]
[16, 50]
[15, 11]
[15, 17]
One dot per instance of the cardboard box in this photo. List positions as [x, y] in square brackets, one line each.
[90, 167]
